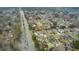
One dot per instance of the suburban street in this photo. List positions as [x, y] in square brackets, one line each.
[39, 29]
[26, 39]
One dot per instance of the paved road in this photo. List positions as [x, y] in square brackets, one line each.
[27, 43]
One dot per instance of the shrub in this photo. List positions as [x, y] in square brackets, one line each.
[76, 44]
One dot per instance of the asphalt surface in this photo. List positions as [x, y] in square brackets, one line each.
[27, 43]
